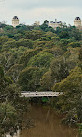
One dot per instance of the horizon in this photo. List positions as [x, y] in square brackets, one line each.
[40, 22]
[38, 10]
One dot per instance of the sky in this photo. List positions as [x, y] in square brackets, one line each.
[29, 11]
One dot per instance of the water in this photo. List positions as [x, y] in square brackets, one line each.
[47, 124]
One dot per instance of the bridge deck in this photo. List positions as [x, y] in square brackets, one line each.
[40, 94]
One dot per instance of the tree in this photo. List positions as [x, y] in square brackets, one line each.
[14, 72]
[71, 100]
[25, 43]
[28, 54]
[34, 34]
[8, 118]
[46, 82]
[11, 105]
[46, 21]
[42, 59]
[9, 44]
[80, 54]
[46, 28]
[59, 69]
[74, 44]
[3, 39]
[29, 78]
[1, 72]
[64, 34]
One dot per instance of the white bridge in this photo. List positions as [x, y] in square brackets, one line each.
[40, 94]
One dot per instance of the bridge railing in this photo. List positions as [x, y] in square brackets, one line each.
[39, 94]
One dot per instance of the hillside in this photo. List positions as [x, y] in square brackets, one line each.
[40, 58]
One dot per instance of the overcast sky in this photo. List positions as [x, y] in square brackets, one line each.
[29, 11]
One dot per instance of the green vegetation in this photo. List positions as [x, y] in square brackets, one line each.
[12, 106]
[39, 58]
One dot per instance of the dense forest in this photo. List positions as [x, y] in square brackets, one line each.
[43, 59]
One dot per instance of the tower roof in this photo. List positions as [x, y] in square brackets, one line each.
[15, 17]
[77, 18]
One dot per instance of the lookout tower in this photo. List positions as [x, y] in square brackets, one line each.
[15, 21]
[77, 22]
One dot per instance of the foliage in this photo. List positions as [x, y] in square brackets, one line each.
[80, 129]
[39, 58]
[28, 54]
[59, 69]
[74, 44]
[80, 54]
[30, 77]
[42, 59]
[45, 28]
[10, 112]
[71, 101]
[46, 81]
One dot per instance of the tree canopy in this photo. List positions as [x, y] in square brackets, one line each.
[39, 58]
